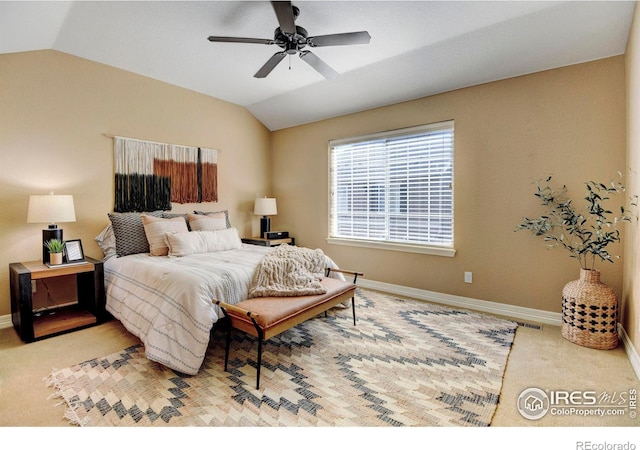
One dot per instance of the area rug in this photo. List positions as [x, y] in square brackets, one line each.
[406, 363]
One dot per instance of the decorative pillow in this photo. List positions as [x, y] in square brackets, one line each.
[107, 242]
[168, 215]
[129, 232]
[183, 244]
[225, 212]
[208, 222]
[155, 229]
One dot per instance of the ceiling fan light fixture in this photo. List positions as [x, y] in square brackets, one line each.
[293, 39]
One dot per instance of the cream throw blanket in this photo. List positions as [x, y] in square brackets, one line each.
[289, 271]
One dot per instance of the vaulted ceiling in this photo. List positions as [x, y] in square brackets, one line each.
[417, 48]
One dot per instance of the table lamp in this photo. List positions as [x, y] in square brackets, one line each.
[50, 209]
[265, 207]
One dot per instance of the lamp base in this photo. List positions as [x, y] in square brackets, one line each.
[48, 234]
[265, 226]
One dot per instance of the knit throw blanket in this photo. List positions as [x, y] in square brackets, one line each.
[289, 271]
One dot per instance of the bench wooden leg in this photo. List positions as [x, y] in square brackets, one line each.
[260, 339]
[353, 307]
[227, 344]
[259, 363]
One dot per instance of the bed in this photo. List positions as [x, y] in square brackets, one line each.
[163, 293]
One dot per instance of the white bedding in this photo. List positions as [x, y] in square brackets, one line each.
[167, 301]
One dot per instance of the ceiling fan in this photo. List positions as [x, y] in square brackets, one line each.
[294, 39]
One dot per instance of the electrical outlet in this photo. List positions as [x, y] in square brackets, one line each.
[468, 277]
[33, 286]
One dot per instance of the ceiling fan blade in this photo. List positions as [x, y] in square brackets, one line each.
[357, 37]
[318, 64]
[270, 65]
[240, 40]
[286, 19]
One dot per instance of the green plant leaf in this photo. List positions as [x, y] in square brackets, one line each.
[54, 245]
[585, 233]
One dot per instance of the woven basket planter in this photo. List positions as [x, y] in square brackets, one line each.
[590, 312]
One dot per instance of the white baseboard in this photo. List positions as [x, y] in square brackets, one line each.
[5, 321]
[500, 309]
[630, 350]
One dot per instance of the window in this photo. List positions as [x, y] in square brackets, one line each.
[394, 189]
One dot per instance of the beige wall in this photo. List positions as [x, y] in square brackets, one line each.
[631, 295]
[54, 110]
[569, 122]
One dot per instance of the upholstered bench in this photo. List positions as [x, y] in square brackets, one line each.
[265, 317]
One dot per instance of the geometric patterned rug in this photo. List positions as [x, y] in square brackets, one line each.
[406, 363]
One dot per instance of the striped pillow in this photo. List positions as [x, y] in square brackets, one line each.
[208, 222]
[155, 229]
[225, 212]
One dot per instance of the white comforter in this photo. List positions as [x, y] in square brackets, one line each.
[167, 301]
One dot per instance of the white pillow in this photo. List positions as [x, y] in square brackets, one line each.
[183, 244]
[107, 242]
[155, 229]
[208, 222]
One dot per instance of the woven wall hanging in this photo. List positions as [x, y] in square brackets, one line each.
[149, 176]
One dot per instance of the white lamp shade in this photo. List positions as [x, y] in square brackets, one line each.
[51, 209]
[265, 207]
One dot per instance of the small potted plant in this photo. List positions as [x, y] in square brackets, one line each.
[589, 307]
[55, 247]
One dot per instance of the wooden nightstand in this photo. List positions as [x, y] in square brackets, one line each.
[269, 242]
[49, 301]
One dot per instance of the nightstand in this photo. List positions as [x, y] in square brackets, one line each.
[49, 301]
[269, 242]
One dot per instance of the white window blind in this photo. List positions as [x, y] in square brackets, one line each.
[394, 187]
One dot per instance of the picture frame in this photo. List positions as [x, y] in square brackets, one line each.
[73, 251]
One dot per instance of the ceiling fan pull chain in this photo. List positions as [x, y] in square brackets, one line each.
[289, 61]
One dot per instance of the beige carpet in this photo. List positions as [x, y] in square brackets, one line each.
[406, 363]
[539, 357]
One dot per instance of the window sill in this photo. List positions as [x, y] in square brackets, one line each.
[437, 251]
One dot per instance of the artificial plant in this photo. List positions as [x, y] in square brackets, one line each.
[585, 232]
